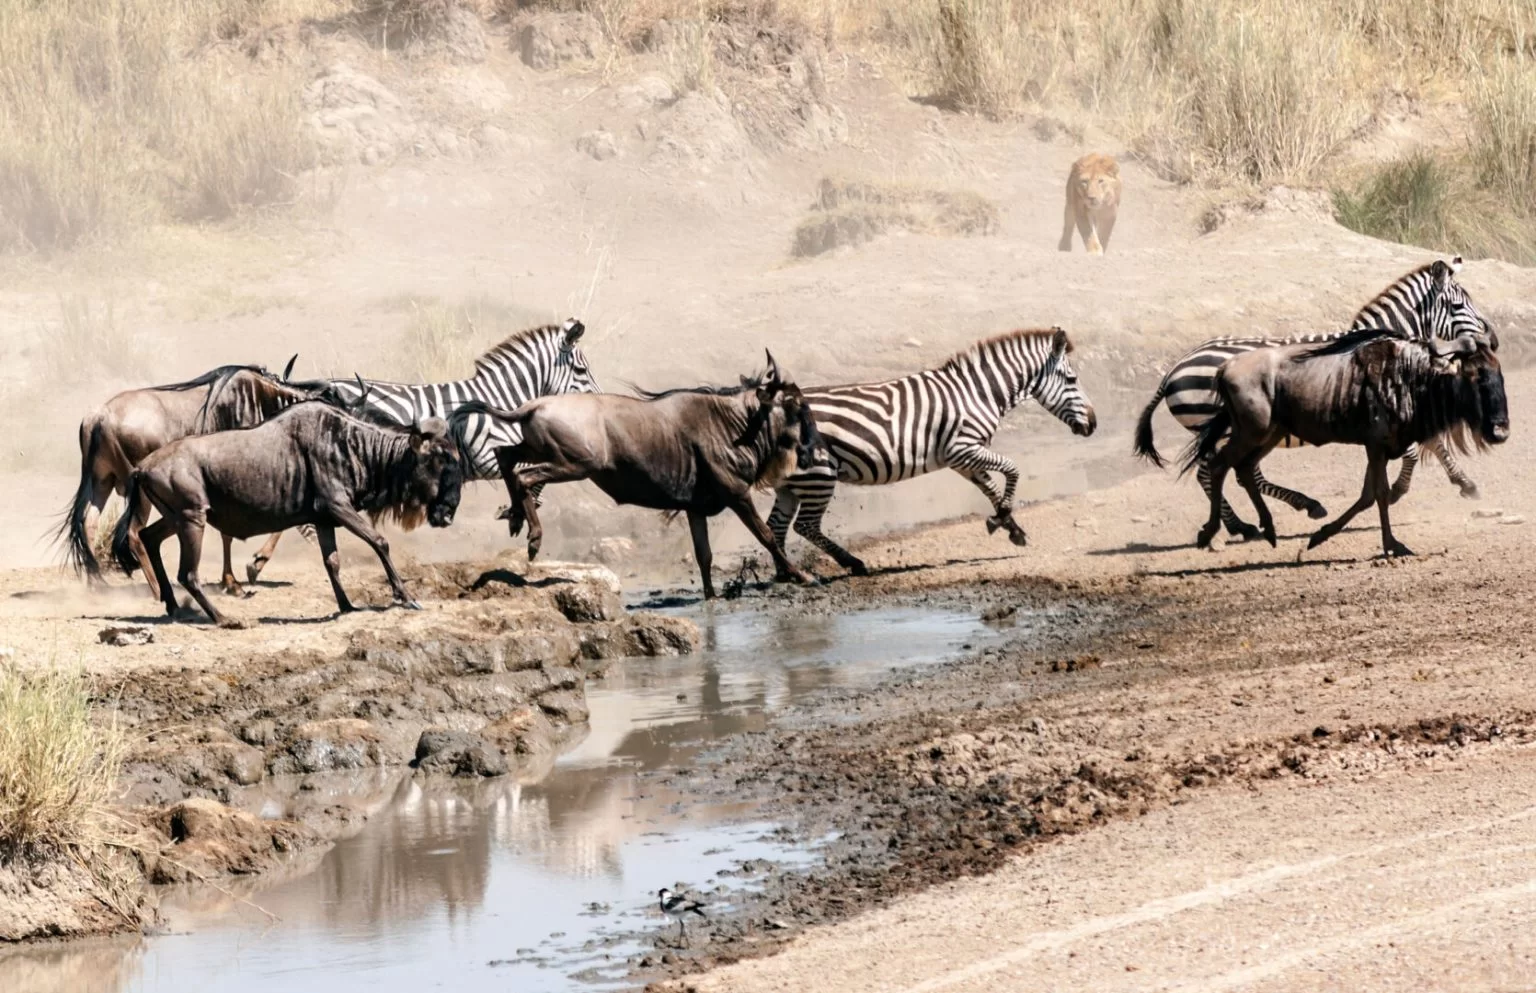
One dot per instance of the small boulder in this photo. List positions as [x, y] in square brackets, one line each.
[206, 839]
[458, 753]
[658, 635]
[599, 144]
[587, 603]
[124, 635]
[550, 39]
[567, 706]
[321, 746]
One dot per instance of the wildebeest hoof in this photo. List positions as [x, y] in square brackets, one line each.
[1315, 540]
[504, 512]
[858, 568]
[1269, 536]
[409, 604]
[251, 572]
[802, 577]
[232, 624]
[1317, 512]
[1398, 550]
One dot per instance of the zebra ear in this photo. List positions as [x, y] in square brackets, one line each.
[1060, 345]
[1456, 264]
[573, 331]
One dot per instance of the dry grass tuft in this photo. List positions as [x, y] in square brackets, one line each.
[442, 340]
[1504, 132]
[58, 769]
[1436, 203]
[87, 343]
[852, 212]
[118, 113]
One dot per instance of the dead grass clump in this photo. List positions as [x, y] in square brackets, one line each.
[58, 769]
[1504, 132]
[1436, 203]
[852, 212]
[86, 343]
[442, 340]
[115, 110]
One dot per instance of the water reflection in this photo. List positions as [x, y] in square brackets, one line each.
[449, 877]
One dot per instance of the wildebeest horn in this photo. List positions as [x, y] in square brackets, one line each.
[774, 374]
[1466, 344]
[288, 369]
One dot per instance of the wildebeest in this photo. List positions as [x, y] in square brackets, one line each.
[134, 423]
[695, 451]
[311, 464]
[1368, 388]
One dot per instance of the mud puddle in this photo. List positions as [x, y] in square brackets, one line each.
[545, 880]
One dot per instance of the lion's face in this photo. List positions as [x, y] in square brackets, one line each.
[1097, 189]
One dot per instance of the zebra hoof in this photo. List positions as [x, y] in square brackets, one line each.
[1471, 492]
[1018, 537]
[993, 523]
[1317, 511]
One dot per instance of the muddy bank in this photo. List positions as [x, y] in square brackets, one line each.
[240, 764]
[1126, 694]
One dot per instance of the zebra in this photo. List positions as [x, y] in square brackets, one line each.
[940, 418]
[536, 362]
[1425, 303]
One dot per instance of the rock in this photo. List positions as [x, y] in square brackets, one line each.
[494, 141]
[549, 39]
[320, 746]
[461, 36]
[699, 131]
[526, 730]
[206, 839]
[655, 635]
[586, 603]
[565, 705]
[259, 733]
[458, 753]
[599, 144]
[1487, 513]
[357, 118]
[613, 552]
[1512, 519]
[124, 635]
[644, 93]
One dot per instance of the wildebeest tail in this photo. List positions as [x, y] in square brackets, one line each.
[122, 550]
[1144, 446]
[71, 530]
[1208, 440]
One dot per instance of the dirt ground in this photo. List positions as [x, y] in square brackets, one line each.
[1300, 772]
[1241, 769]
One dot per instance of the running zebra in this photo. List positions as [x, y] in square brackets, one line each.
[941, 418]
[537, 362]
[1425, 303]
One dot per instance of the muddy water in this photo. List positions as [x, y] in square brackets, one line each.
[539, 882]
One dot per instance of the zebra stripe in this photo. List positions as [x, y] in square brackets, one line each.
[1423, 304]
[879, 433]
[1426, 303]
[537, 362]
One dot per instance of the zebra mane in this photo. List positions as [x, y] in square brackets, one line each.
[513, 344]
[968, 353]
[1387, 291]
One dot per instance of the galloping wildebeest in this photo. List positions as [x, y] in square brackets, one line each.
[1423, 304]
[696, 451]
[1370, 388]
[134, 423]
[540, 361]
[940, 418]
[311, 464]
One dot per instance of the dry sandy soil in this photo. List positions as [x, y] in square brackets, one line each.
[1300, 774]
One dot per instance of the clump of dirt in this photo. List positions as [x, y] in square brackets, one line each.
[69, 894]
[854, 211]
[204, 839]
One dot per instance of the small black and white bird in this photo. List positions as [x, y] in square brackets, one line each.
[678, 908]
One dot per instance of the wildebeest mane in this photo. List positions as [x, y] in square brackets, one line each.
[1346, 342]
[223, 372]
[747, 383]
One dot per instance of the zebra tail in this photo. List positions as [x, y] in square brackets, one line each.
[122, 551]
[1207, 441]
[71, 529]
[1144, 446]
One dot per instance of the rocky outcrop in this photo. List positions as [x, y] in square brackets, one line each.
[549, 39]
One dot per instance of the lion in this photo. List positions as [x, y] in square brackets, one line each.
[1093, 196]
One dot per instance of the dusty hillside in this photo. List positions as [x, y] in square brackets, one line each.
[512, 178]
